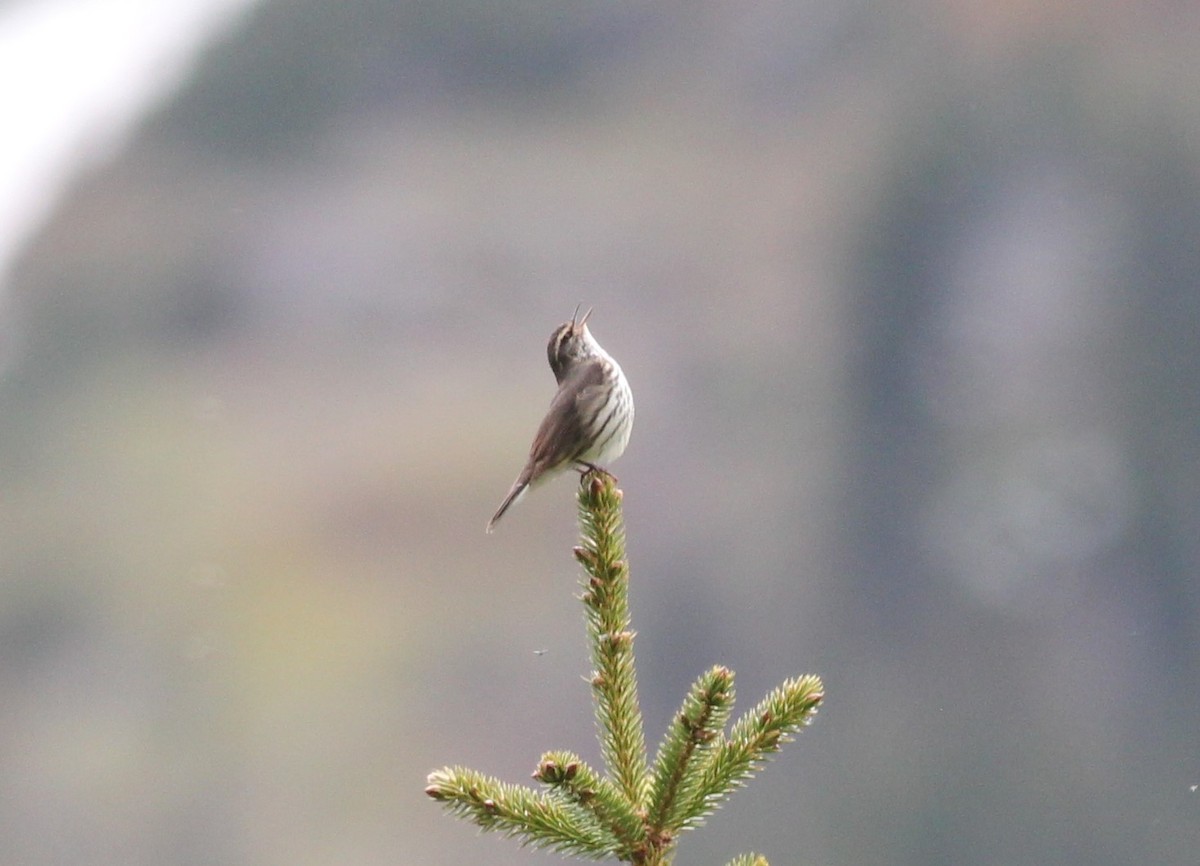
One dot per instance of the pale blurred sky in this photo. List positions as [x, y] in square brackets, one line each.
[75, 76]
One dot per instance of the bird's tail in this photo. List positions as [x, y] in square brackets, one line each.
[518, 490]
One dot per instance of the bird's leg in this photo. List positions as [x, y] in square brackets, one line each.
[585, 469]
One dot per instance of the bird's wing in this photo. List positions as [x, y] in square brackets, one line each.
[559, 439]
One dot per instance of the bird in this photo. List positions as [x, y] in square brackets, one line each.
[590, 418]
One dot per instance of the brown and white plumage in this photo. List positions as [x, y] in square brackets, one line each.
[590, 418]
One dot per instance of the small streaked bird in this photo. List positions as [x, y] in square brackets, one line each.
[590, 418]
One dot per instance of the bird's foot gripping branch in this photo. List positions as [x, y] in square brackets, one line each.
[636, 810]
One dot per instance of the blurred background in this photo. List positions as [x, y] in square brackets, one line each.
[909, 296]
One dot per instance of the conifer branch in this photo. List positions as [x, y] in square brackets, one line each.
[568, 775]
[699, 722]
[749, 860]
[632, 813]
[534, 817]
[606, 599]
[754, 737]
